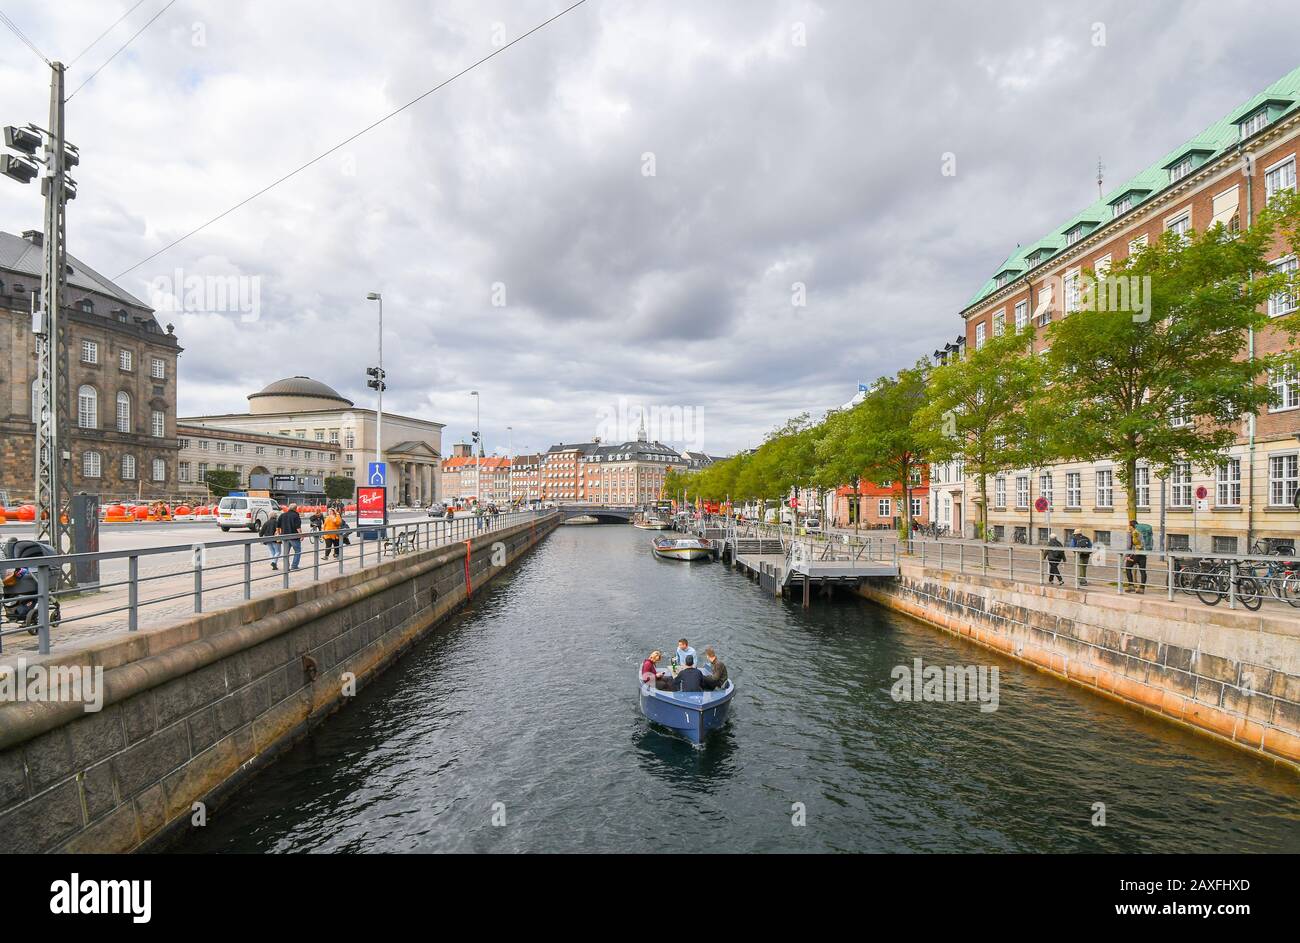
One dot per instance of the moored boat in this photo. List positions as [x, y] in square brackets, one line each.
[682, 548]
[693, 714]
[650, 522]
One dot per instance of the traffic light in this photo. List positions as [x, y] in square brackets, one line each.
[22, 139]
[18, 168]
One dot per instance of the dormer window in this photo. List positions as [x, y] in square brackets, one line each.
[1256, 122]
[1121, 206]
[1180, 170]
[86, 305]
[1078, 231]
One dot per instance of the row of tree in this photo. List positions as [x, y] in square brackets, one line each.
[1153, 385]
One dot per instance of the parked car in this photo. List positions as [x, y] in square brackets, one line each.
[437, 509]
[813, 525]
[244, 512]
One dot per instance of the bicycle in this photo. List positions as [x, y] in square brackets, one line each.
[1215, 583]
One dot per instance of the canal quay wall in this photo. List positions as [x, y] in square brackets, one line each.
[1232, 674]
[193, 710]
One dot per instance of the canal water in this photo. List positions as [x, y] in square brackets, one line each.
[516, 728]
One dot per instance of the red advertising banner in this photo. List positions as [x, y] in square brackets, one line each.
[371, 506]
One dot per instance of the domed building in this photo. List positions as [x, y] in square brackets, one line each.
[301, 426]
[295, 394]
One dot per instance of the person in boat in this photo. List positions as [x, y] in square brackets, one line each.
[684, 651]
[689, 678]
[650, 672]
[717, 676]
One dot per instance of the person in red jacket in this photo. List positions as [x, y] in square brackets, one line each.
[649, 672]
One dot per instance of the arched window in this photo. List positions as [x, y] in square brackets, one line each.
[87, 305]
[123, 411]
[90, 464]
[87, 408]
[128, 468]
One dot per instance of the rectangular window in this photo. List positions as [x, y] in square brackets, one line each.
[1022, 315]
[1142, 486]
[1045, 486]
[916, 507]
[1072, 291]
[158, 424]
[1178, 417]
[1000, 491]
[128, 468]
[1180, 483]
[1022, 491]
[157, 368]
[1121, 206]
[1180, 225]
[1279, 177]
[1285, 389]
[159, 470]
[89, 352]
[183, 471]
[1105, 488]
[1074, 235]
[999, 324]
[90, 464]
[883, 507]
[1180, 170]
[1284, 301]
[125, 361]
[1254, 123]
[319, 435]
[1283, 479]
[979, 335]
[221, 446]
[203, 470]
[1073, 489]
[1227, 492]
[1137, 244]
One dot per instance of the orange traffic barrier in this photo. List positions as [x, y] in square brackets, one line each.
[117, 514]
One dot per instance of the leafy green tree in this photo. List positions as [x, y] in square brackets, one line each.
[221, 481]
[339, 487]
[890, 443]
[978, 411]
[1166, 383]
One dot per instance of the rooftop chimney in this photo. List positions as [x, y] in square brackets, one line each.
[35, 237]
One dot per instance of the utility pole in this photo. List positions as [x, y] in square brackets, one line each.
[376, 383]
[52, 454]
[477, 438]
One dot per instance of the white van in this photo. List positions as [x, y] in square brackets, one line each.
[245, 512]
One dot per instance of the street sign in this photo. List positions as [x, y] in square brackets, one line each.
[1041, 505]
[794, 502]
[372, 506]
[1202, 493]
[1202, 504]
[377, 474]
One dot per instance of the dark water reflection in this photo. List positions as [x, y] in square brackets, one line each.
[525, 707]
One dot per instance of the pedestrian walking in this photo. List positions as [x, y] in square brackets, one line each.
[290, 525]
[330, 531]
[270, 527]
[1055, 557]
[1079, 540]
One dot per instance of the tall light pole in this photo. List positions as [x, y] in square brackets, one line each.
[52, 451]
[376, 383]
[477, 439]
[510, 470]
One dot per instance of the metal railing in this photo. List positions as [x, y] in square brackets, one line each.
[209, 568]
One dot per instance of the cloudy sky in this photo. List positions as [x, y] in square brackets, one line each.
[616, 210]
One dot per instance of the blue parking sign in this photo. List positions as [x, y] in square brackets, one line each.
[377, 475]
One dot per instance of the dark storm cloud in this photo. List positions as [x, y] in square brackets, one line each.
[779, 169]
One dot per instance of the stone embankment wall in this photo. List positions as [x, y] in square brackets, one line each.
[1232, 674]
[192, 710]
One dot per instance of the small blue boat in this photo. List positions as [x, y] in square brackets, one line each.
[693, 714]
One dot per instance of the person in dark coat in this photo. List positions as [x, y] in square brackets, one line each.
[291, 524]
[1080, 541]
[271, 527]
[1055, 557]
[689, 678]
[717, 676]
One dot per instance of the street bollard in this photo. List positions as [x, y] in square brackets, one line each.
[315, 559]
[248, 571]
[1011, 563]
[1232, 584]
[1119, 573]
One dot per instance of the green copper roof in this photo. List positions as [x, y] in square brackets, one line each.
[1217, 138]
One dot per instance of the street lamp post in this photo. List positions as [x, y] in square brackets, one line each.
[477, 439]
[510, 470]
[376, 383]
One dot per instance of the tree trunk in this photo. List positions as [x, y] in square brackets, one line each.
[1130, 490]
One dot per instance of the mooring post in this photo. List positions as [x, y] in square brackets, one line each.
[806, 586]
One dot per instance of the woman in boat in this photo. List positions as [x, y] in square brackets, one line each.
[649, 672]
